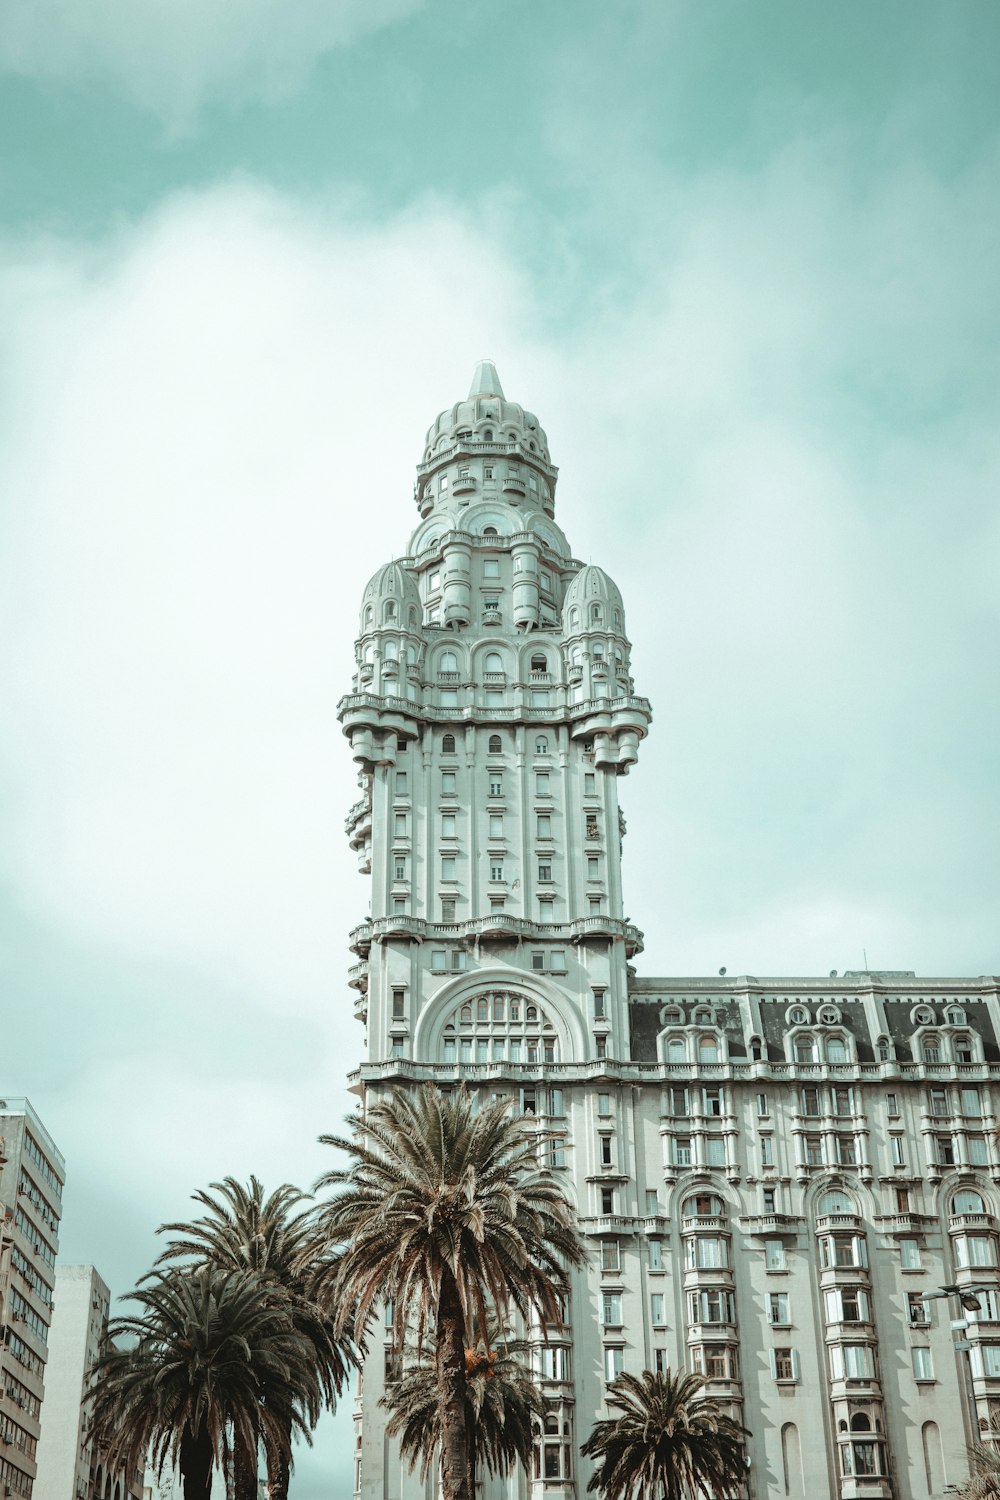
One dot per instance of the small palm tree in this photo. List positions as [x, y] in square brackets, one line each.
[445, 1213]
[188, 1387]
[501, 1404]
[983, 1482]
[669, 1441]
[274, 1237]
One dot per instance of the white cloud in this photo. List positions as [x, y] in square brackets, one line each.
[174, 56]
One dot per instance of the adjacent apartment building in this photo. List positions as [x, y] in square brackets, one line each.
[70, 1465]
[790, 1185]
[32, 1173]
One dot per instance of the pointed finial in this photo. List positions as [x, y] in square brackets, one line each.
[486, 381]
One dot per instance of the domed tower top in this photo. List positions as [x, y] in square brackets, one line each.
[467, 440]
[593, 602]
[391, 600]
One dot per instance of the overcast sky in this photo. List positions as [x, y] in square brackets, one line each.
[740, 257]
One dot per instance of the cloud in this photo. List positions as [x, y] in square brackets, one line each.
[173, 57]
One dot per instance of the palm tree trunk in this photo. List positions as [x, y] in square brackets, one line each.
[279, 1467]
[244, 1472]
[450, 1362]
[197, 1460]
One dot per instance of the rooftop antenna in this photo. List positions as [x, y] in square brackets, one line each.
[865, 952]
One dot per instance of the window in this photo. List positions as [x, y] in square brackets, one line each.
[607, 1200]
[652, 1201]
[708, 1049]
[975, 1250]
[978, 1154]
[682, 1150]
[814, 1151]
[847, 1151]
[703, 1206]
[963, 1049]
[967, 1202]
[399, 826]
[848, 1304]
[843, 1250]
[611, 1309]
[610, 1255]
[448, 867]
[552, 1362]
[991, 1360]
[884, 1049]
[448, 830]
[945, 1150]
[843, 1101]
[892, 1106]
[777, 1309]
[909, 1255]
[705, 1253]
[852, 1362]
[713, 1102]
[805, 1051]
[939, 1102]
[715, 1361]
[541, 783]
[604, 1104]
[715, 1151]
[836, 1050]
[931, 1051]
[544, 872]
[810, 1101]
[449, 783]
[896, 1146]
[916, 1310]
[972, 1104]
[556, 1105]
[768, 1200]
[923, 1367]
[593, 867]
[600, 1046]
[398, 1005]
[399, 869]
[835, 1202]
[605, 1150]
[613, 1363]
[543, 826]
[656, 1310]
[712, 1305]
[491, 567]
[774, 1255]
[766, 1151]
[448, 911]
[762, 1105]
[677, 1102]
[784, 1364]
[656, 1255]
[902, 1200]
[599, 1007]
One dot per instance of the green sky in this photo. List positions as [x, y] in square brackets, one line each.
[741, 258]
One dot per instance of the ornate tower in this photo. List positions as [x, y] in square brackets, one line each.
[492, 714]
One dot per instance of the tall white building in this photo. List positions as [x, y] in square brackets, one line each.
[70, 1465]
[32, 1173]
[770, 1173]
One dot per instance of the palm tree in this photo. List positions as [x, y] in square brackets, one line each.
[188, 1387]
[273, 1237]
[670, 1441]
[501, 1403]
[445, 1213]
[983, 1482]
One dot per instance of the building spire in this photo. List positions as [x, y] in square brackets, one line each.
[486, 381]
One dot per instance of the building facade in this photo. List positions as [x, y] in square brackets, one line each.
[70, 1465]
[32, 1174]
[775, 1177]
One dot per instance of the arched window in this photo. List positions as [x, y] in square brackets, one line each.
[702, 1017]
[369, 615]
[541, 745]
[488, 435]
[672, 1017]
[595, 614]
[390, 651]
[805, 1049]
[493, 662]
[390, 610]
[496, 744]
[574, 616]
[828, 1015]
[465, 1015]
[490, 531]
[618, 619]
[756, 1049]
[702, 1206]
[505, 1029]
[884, 1049]
[448, 744]
[835, 1201]
[836, 1049]
[449, 661]
[676, 1049]
[954, 1016]
[539, 662]
[411, 656]
[861, 1422]
[708, 1049]
[931, 1050]
[967, 1202]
